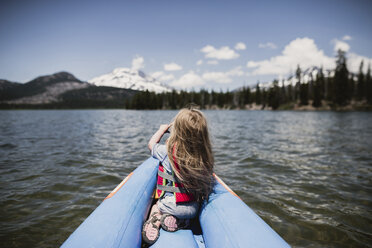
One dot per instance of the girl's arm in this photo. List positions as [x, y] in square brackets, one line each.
[157, 136]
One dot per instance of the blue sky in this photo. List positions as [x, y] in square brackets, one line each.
[191, 44]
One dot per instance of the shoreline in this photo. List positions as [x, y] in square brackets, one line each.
[326, 106]
[291, 106]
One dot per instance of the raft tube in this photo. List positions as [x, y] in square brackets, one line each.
[225, 221]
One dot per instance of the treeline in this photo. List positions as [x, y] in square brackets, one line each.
[176, 100]
[335, 90]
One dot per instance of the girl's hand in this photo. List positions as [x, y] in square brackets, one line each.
[157, 136]
[164, 127]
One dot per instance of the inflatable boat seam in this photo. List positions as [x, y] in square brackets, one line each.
[222, 224]
[133, 210]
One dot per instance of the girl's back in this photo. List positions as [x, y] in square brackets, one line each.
[185, 176]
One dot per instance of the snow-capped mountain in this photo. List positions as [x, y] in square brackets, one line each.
[306, 76]
[130, 79]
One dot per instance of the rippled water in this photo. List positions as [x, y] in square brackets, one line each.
[307, 174]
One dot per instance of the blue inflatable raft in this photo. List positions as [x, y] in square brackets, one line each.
[225, 221]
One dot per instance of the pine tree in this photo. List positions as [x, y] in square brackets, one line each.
[258, 95]
[302, 89]
[290, 93]
[360, 86]
[173, 100]
[304, 94]
[310, 86]
[240, 97]
[229, 99]
[369, 85]
[247, 96]
[214, 96]
[322, 83]
[298, 83]
[264, 98]
[328, 90]
[203, 98]
[341, 89]
[317, 100]
[274, 96]
[283, 94]
[352, 87]
[220, 99]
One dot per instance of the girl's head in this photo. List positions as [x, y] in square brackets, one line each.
[189, 145]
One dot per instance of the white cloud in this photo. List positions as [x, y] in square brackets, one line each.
[302, 51]
[347, 37]
[237, 72]
[218, 77]
[340, 45]
[172, 67]
[353, 62]
[138, 63]
[199, 62]
[212, 62]
[240, 46]
[223, 77]
[162, 77]
[267, 45]
[223, 53]
[188, 80]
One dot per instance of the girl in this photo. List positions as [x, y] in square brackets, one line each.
[185, 175]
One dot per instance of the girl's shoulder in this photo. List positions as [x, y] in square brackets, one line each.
[159, 152]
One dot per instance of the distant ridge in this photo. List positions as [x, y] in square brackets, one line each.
[60, 90]
[306, 76]
[43, 89]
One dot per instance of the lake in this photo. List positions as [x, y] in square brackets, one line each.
[307, 174]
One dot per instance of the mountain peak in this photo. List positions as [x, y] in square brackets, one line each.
[65, 75]
[62, 76]
[128, 78]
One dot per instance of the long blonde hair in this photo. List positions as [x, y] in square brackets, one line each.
[189, 146]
